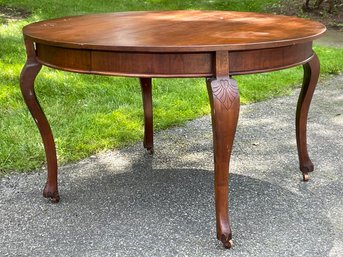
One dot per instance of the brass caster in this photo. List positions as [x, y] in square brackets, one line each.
[229, 244]
[150, 150]
[306, 177]
[226, 243]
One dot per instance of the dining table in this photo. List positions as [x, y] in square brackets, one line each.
[214, 45]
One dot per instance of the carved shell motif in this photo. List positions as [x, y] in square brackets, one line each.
[225, 90]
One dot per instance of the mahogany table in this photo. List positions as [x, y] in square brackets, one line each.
[210, 44]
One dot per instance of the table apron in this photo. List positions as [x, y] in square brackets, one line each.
[180, 64]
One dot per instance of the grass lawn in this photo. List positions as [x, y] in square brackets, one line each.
[89, 114]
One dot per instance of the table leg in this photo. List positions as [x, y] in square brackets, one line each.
[224, 100]
[311, 74]
[146, 86]
[27, 78]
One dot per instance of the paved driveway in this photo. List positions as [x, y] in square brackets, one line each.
[127, 203]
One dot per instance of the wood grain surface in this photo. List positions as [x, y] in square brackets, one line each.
[174, 31]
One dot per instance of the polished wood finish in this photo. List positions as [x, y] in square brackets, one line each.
[224, 100]
[210, 44]
[311, 75]
[148, 64]
[27, 78]
[174, 31]
[146, 85]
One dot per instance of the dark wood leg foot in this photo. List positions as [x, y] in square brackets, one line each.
[311, 75]
[224, 100]
[27, 78]
[146, 85]
[50, 191]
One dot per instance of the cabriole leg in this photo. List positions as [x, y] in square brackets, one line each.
[146, 86]
[311, 74]
[27, 78]
[224, 100]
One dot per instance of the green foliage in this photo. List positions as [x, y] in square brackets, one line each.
[89, 114]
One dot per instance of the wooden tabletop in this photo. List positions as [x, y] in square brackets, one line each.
[174, 31]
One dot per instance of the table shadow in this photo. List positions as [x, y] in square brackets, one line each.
[170, 212]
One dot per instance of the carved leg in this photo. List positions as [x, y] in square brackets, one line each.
[27, 78]
[146, 86]
[311, 74]
[224, 100]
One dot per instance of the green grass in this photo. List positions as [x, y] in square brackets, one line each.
[55, 8]
[89, 114]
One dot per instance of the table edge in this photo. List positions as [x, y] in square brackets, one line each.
[172, 49]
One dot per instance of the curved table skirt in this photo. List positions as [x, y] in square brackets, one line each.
[168, 65]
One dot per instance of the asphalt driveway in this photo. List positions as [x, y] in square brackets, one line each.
[127, 203]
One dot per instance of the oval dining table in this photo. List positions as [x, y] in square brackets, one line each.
[215, 45]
